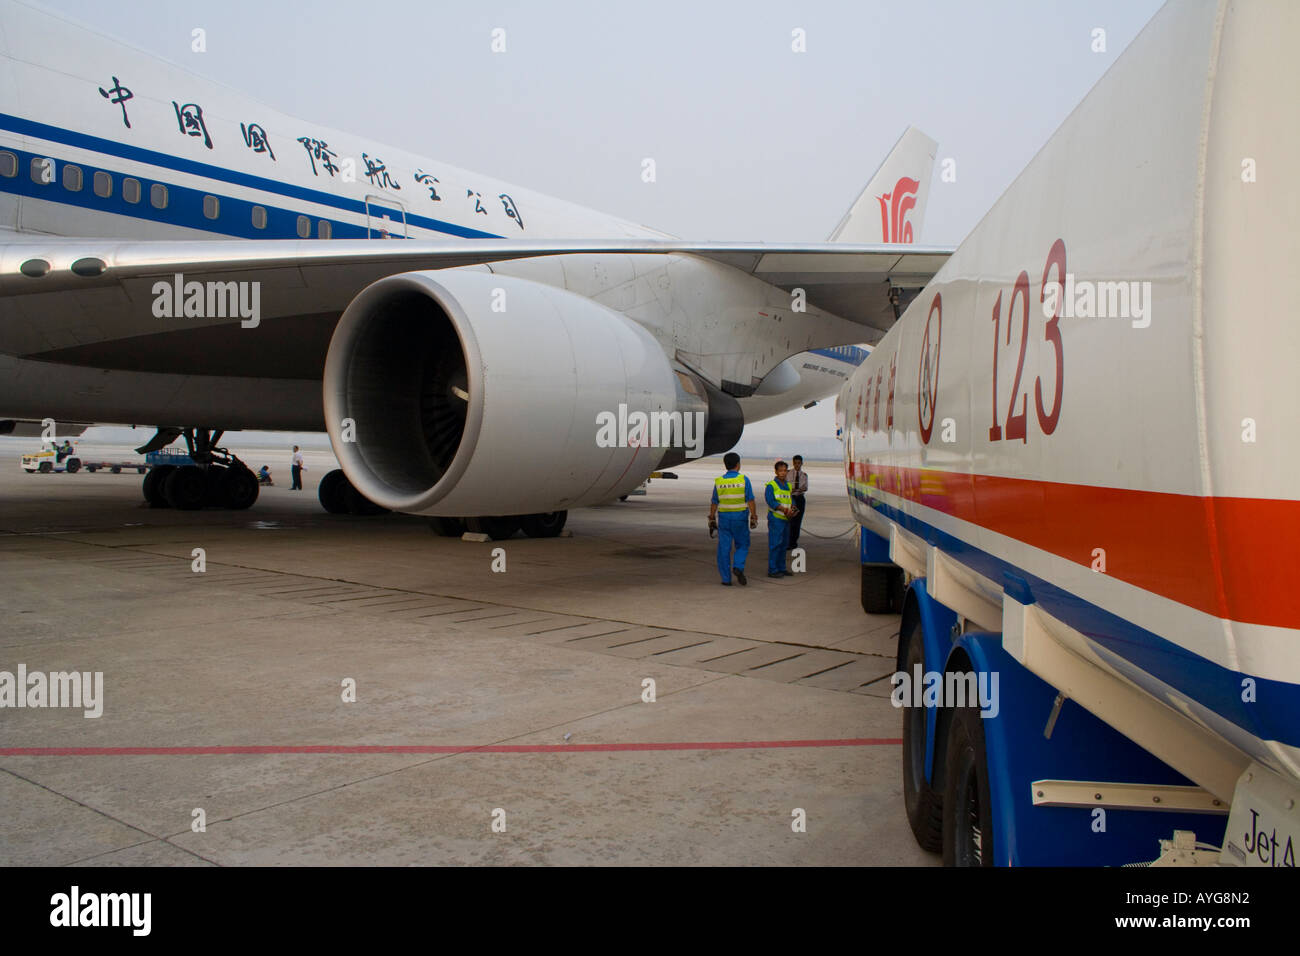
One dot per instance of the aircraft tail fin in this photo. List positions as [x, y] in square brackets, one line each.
[892, 206]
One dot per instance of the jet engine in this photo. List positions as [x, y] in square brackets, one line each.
[463, 392]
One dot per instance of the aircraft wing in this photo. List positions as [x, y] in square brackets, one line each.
[850, 280]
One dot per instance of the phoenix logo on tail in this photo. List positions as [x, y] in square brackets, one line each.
[894, 207]
[899, 189]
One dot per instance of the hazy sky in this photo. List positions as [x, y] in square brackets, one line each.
[752, 141]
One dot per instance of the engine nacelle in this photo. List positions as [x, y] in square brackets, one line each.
[469, 393]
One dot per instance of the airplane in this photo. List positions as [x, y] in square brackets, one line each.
[177, 255]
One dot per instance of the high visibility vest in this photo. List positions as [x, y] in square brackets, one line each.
[782, 498]
[731, 493]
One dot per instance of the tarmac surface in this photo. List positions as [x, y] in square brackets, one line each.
[500, 717]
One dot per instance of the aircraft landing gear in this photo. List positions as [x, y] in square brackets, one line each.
[339, 497]
[499, 527]
[217, 479]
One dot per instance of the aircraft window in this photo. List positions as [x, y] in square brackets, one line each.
[158, 196]
[323, 229]
[304, 227]
[42, 170]
[103, 184]
[8, 165]
[72, 178]
[259, 217]
[211, 207]
[131, 189]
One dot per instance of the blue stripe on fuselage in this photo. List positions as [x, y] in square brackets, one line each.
[849, 354]
[139, 154]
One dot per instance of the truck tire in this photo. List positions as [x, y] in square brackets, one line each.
[924, 804]
[967, 807]
[116, 469]
[546, 525]
[876, 591]
[45, 468]
[74, 465]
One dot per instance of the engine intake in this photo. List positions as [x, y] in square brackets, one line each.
[463, 392]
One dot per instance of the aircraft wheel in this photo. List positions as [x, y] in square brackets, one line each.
[332, 492]
[239, 488]
[154, 480]
[546, 525]
[214, 495]
[496, 527]
[186, 488]
[967, 806]
[447, 527]
[924, 804]
[358, 504]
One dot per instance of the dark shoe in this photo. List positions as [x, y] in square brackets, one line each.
[725, 584]
[775, 574]
[740, 576]
[787, 574]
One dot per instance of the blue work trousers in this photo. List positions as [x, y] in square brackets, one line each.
[733, 531]
[777, 529]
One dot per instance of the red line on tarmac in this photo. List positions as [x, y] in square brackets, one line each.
[433, 749]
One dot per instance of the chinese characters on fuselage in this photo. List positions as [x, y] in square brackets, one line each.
[422, 177]
[118, 94]
[255, 138]
[190, 120]
[377, 172]
[316, 149]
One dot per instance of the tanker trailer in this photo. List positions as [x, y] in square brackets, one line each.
[1074, 462]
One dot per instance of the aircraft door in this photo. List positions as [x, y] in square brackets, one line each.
[385, 218]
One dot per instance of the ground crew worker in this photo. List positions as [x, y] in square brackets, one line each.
[296, 470]
[732, 497]
[779, 512]
[798, 498]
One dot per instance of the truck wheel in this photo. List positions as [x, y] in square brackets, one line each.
[967, 807]
[876, 592]
[447, 527]
[45, 468]
[74, 465]
[185, 488]
[116, 469]
[332, 492]
[153, 485]
[546, 525]
[923, 803]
